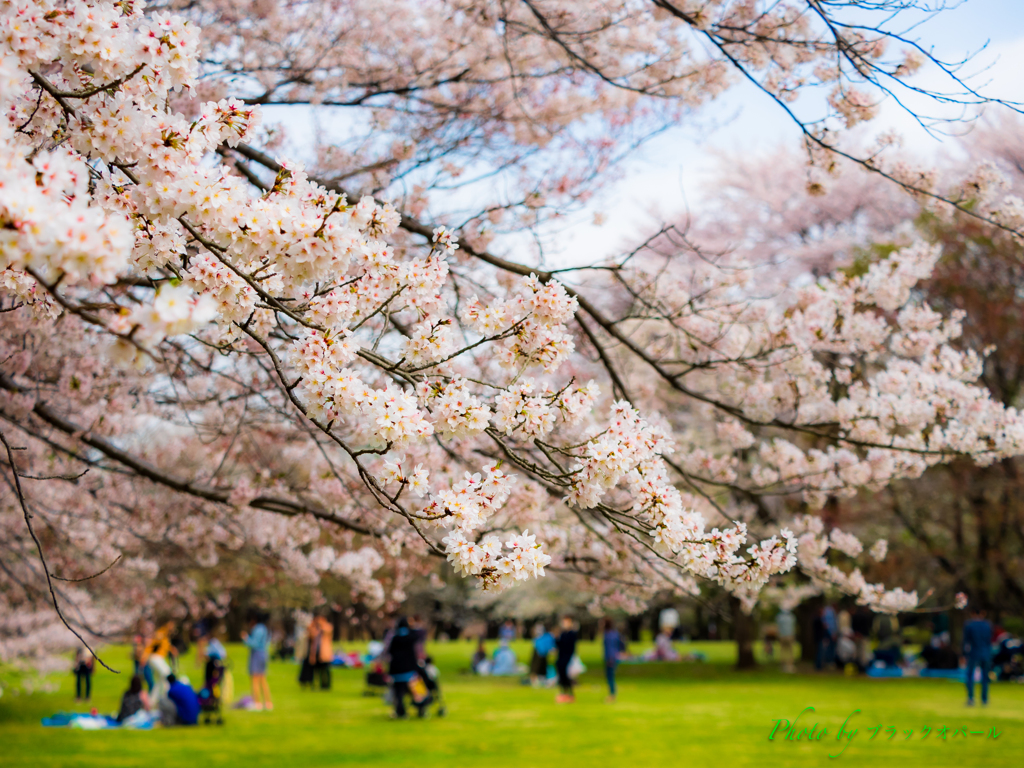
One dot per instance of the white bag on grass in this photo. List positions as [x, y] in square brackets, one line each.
[576, 667]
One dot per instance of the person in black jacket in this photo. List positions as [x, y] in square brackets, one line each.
[403, 667]
[566, 645]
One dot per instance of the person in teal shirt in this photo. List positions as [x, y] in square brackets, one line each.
[543, 645]
[258, 642]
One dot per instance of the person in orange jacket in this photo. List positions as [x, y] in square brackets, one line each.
[320, 652]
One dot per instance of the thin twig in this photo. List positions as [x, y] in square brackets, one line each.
[87, 578]
[42, 559]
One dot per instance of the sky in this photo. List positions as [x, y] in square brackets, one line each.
[667, 176]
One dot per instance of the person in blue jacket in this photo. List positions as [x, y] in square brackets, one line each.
[978, 652]
[614, 648]
[186, 702]
[543, 645]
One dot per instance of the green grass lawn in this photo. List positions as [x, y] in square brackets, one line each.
[667, 715]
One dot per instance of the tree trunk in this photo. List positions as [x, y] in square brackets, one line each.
[744, 629]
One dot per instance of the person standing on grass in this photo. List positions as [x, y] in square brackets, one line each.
[321, 650]
[785, 622]
[978, 652]
[258, 642]
[543, 644]
[831, 623]
[140, 655]
[614, 648]
[402, 666]
[159, 654]
[84, 666]
[566, 645]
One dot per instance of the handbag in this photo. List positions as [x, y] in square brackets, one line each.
[418, 690]
[576, 667]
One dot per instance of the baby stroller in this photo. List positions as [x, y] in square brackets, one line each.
[377, 681]
[1008, 660]
[210, 697]
[430, 693]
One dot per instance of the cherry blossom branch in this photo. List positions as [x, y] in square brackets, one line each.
[39, 548]
[150, 472]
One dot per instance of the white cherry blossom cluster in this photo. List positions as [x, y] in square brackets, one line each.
[387, 418]
[469, 503]
[418, 480]
[537, 312]
[496, 568]
[455, 410]
[627, 442]
[518, 408]
[48, 222]
[813, 561]
[630, 451]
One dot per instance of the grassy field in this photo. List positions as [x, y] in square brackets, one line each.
[667, 715]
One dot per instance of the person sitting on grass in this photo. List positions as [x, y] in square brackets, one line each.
[134, 700]
[663, 649]
[888, 651]
[182, 704]
[939, 654]
[504, 661]
[479, 663]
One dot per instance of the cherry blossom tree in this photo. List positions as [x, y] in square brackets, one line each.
[208, 348]
[953, 528]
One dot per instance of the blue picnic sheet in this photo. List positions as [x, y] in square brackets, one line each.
[948, 674]
[140, 721]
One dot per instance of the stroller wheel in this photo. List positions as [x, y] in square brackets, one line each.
[441, 711]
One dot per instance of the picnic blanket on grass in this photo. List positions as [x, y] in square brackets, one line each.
[949, 674]
[140, 721]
